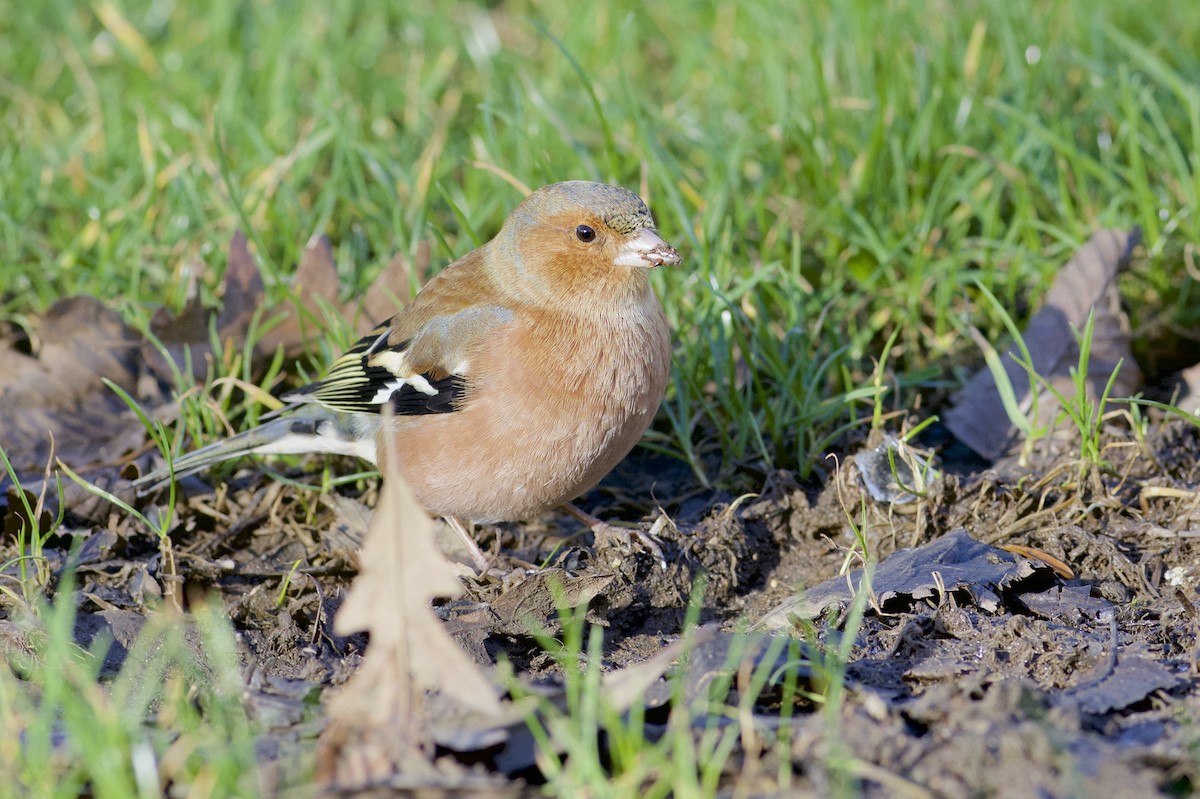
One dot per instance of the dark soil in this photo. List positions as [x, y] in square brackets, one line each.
[1063, 686]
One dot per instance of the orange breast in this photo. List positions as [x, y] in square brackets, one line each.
[554, 407]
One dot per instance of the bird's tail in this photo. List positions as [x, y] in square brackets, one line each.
[307, 428]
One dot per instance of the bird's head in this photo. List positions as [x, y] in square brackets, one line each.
[583, 237]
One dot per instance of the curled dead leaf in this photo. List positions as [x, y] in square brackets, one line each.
[1085, 284]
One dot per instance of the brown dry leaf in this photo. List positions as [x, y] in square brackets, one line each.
[317, 290]
[54, 398]
[316, 287]
[187, 335]
[378, 728]
[396, 284]
[1087, 282]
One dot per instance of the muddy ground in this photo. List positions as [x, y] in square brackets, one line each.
[1030, 683]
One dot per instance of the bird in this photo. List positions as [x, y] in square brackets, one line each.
[512, 383]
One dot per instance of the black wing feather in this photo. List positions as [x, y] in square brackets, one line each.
[353, 384]
[410, 402]
[358, 396]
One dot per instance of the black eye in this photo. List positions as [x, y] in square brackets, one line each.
[585, 234]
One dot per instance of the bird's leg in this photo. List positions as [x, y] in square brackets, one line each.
[607, 533]
[464, 532]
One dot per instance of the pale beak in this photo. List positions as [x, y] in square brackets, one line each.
[647, 249]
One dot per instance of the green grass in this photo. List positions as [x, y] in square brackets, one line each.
[172, 716]
[834, 172]
[588, 746]
[837, 174]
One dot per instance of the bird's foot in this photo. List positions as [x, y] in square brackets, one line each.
[464, 530]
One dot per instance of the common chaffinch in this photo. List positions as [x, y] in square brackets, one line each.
[518, 377]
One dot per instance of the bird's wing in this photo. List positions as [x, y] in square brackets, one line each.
[417, 368]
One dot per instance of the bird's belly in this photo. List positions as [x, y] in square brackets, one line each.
[514, 455]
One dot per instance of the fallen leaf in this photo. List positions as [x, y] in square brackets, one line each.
[1086, 283]
[186, 336]
[1068, 603]
[378, 727]
[1130, 679]
[350, 524]
[121, 627]
[726, 653]
[317, 291]
[396, 284]
[1187, 385]
[315, 288]
[292, 327]
[53, 398]
[955, 563]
